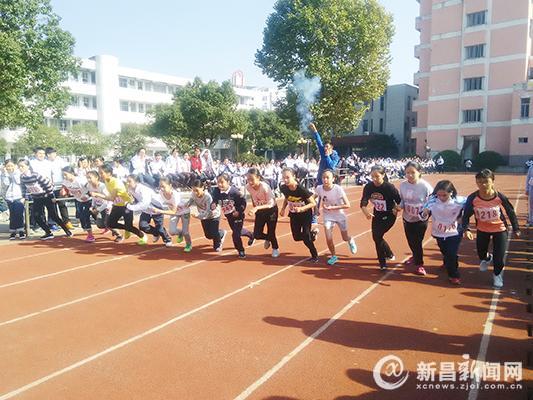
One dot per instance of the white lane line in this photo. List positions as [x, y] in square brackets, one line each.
[489, 323]
[287, 358]
[129, 284]
[155, 329]
[35, 255]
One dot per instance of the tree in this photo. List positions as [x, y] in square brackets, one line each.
[36, 56]
[452, 160]
[201, 114]
[41, 136]
[129, 140]
[488, 159]
[169, 126]
[381, 146]
[344, 42]
[86, 140]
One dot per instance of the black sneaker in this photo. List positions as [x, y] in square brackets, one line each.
[22, 235]
[383, 267]
[47, 236]
[118, 239]
[68, 233]
[314, 234]
[12, 236]
[242, 254]
[250, 240]
[313, 260]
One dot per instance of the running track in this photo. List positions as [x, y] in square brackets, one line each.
[107, 321]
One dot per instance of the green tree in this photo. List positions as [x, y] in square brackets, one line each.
[452, 160]
[201, 113]
[85, 140]
[129, 140]
[41, 136]
[344, 42]
[36, 56]
[381, 146]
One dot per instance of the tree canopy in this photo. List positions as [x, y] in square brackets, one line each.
[36, 56]
[344, 42]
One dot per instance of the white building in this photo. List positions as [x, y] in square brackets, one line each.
[109, 95]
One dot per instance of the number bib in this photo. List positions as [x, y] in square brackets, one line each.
[379, 205]
[293, 205]
[228, 207]
[487, 214]
[444, 228]
[413, 210]
[34, 189]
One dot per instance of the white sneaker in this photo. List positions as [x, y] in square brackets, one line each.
[391, 258]
[497, 281]
[267, 244]
[484, 264]
[221, 246]
[168, 244]
[352, 246]
[275, 253]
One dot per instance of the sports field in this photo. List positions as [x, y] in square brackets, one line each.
[120, 321]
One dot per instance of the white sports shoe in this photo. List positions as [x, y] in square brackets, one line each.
[275, 253]
[484, 264]
[497, 281]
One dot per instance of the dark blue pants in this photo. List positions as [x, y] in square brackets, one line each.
[84, 214]
[16, 215]
[158, 229]
[449, 247]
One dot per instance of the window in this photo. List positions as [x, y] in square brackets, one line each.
[148, 86]
[382, 103]
[475, 51]
[123, 82]
[140, 85]
[365, 125]
[413, 122]
[522, 140]
[85, 77]
[141, 108]
[131, 83]
[524, 107]
[473, 84]
[472, 115]
[94, 103]
[371, 125]
[381, 124]
[133, 107]
[148, 107]
[124, 106]
[93, 77]
[476, 18]
[74, 76]
[160, 88]
[530, 75]
[63, 124]
[86, 102]
[74, 101]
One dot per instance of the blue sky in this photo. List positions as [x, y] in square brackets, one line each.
[205, 38]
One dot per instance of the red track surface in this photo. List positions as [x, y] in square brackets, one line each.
[108, 321]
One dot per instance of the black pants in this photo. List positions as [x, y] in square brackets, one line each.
[212, 231]
[39, 204]
[236, 223]
[118, 212]
[499, 247]
[158, 229]
[83, 209]
[63, 210]
[414, 232]
[268, 217]
[449, 247]
[381, 224]
[16, 215]
[301, 230]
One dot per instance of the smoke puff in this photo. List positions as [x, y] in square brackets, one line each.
[307, 90]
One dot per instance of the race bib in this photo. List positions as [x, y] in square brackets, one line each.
[118, 200]
[379, 205]
[33, 189]
[228, 208]
[530, 181]
[293, 205]
[487, 214]
[445, 228]
[413, 209]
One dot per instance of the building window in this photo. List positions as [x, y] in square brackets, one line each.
[365, 125]
[123, 82]
[141, 108]
[133, 107]
[524, 107]
[409, 103]
[381, 124]
[93, 77]
[131, 83]
[530, 75]
[63, 124]
[140, 85]
[413, 122]
[94, 103]
[476, 18]
[371, 125]
[473, 84]
[160, 88]
[74, 101]
[382, 103]
[85, 77]
[124, 106]
[472, 115]
[148, 86]
[86, 102]
[522, 140]
[74, 76]
[475, 51]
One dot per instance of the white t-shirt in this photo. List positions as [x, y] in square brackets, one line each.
[262, 195]
[444, 216]
[78, 188]
[414, 196]
[332, 197]
[174, 202]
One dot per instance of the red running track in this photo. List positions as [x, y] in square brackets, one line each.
[108, 321]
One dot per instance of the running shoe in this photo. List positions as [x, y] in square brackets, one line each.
[179, 239]
[221, 245]
[332, 260]
[250, 240]
[54, 228]
[69, 225]
[275, 253]
[168, 244]
[90, 238]
[12, 236]
[497, 281]
[392, 257]
[155, 238]
[420, 270]
[266, 245]
[47, 236]
[455, 281]
[143, 240]
[242, 254]
[313, 260]
[484, 264]
[352, 246]
[22, 235]
[127, 234]
[119, 239]
[188, 248]
[382, 267]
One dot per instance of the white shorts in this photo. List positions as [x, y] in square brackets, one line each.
[340, 221]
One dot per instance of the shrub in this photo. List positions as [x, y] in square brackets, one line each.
[452, 160]
[488, 159]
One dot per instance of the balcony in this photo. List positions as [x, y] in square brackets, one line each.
[417, 51]
[418, 23]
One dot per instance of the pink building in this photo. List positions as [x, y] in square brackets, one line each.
[475, 78]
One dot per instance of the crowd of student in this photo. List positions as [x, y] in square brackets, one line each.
[111, 197]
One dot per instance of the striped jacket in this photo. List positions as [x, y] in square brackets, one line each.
[36, 185]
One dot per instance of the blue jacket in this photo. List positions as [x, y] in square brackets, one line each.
[326, 162]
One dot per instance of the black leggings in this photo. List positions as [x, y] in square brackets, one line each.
[268, 217]
[212, 231]
[381, 224]
[301, 230]
[499, 247]
[39, 204]
[414, 232]
[121, 211]
[237, 231]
